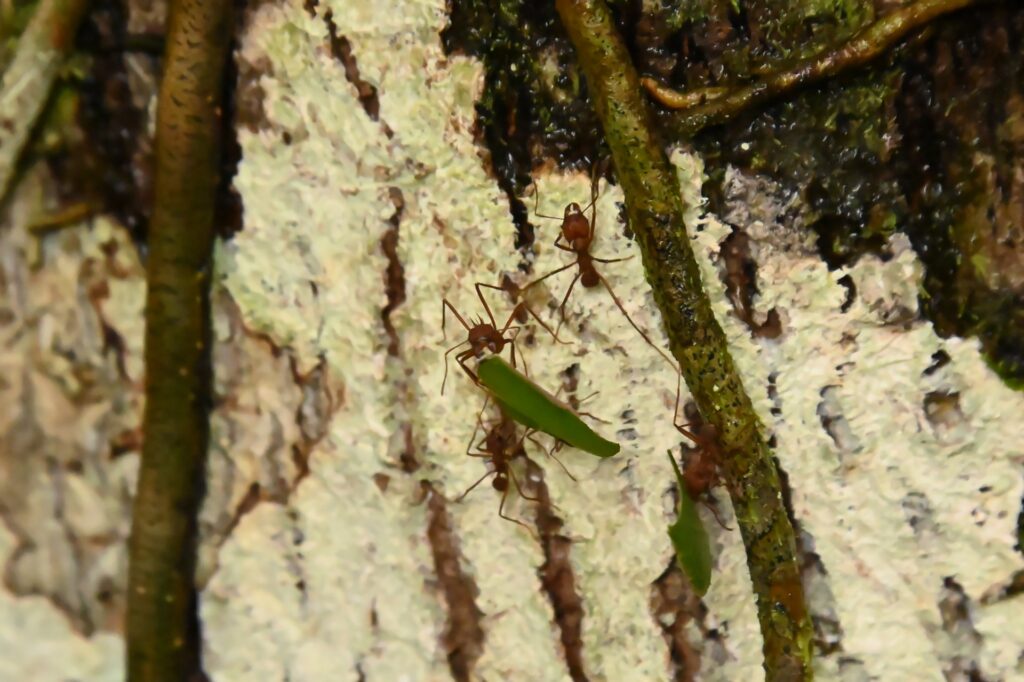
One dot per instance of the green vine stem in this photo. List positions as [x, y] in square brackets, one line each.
[712, 106]
[162, 628]
[26, 83]
[655, 212]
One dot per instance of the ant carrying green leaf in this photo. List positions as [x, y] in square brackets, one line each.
[484, 336]
[501, 445]
[689, 538]
[532, 406]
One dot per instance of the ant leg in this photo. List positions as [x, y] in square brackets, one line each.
[565, 299]
[501, 513]
[543, 324]
[445, 304]
[478, 426]
[594, 417]
[536, 201]
[480, 295]
[633, 324]
[550, 274]
[714, 512]
[610, 260]
[552, 456]
[461, 359]
[446, 353]
[580, 401]
[519, 488]
[527, 308]
[681, 428]
[478, 482]
[526, 370]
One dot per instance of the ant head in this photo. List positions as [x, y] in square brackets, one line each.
[485, 337]
[500, 482]
[576, 228]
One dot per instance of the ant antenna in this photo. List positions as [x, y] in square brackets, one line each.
[536, 202]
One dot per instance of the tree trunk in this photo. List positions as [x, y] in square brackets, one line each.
[335, 544]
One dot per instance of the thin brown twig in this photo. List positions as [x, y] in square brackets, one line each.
[705, 107]
[162, 626]
[655, 213]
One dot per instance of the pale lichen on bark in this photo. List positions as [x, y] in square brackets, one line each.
[317, 177]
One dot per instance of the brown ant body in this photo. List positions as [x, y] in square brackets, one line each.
[484, 336]
[501, 445]
[577, 236]
[701, 472]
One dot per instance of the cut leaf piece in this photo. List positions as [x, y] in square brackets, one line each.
[689, 539]
[532, 406]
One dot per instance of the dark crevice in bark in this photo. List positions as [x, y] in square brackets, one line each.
[113, 168]
[955, 610]
[312, 416]
[464, 635]
[395, 274]
[556, 575]
[341, 49]
[740, 279]
[674, 604]
[253, 496]
[394, 285]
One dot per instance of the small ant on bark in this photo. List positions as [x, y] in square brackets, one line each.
[578, 235]
[701, 471]
[501, 445]
[484, 336]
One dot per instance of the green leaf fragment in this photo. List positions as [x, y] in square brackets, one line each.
[531, 405]
[690, 540]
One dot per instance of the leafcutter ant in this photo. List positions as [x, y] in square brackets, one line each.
[577, 236]
[484, 336]
[501, 445]
[701, 471]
